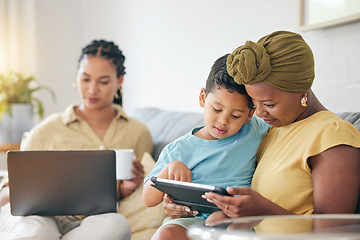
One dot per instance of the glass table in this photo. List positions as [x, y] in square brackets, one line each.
[324, 226]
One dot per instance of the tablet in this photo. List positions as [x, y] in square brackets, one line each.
[189, 194]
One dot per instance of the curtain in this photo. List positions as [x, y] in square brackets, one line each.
[17, 36]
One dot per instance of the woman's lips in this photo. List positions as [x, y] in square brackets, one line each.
[269, 121]
[93, 100]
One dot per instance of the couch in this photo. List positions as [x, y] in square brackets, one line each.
[166, 126]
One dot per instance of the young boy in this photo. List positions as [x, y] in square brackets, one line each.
[221, 153]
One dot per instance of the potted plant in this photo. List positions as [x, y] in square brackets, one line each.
[17, 91]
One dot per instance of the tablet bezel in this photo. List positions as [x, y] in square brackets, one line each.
[188, 194]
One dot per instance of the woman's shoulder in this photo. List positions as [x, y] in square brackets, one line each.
[38, 136]
[320, 123]
[52, 121]
[327, 127]
[55, 121]
[324, 115]
[324, 120]
[323, 127]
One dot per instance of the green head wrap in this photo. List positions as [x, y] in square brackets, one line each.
[281, 59]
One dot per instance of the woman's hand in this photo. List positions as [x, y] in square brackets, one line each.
[247, 203]
[127, 187]
[174, 210]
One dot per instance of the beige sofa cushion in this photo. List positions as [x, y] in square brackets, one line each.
[144, 221]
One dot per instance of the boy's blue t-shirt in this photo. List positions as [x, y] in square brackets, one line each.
[228, 162]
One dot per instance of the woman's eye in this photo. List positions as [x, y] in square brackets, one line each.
[85, 79]
[269, 105]
[104, 83]
[234, 116]
[216, 110]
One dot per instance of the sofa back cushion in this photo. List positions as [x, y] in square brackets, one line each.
[352, 117]
[166, 126]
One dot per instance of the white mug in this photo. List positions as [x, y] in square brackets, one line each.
[124, 158]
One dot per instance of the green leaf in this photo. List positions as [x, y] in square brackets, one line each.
[20, 88]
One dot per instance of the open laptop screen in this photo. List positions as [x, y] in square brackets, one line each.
[50, 183]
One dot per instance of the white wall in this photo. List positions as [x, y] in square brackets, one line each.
[337, 62]
[59, 45]
[171, 45]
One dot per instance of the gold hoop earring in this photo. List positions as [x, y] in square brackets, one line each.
[304, 101]
[116, 94]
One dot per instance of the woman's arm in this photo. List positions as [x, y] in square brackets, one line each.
[336, 180]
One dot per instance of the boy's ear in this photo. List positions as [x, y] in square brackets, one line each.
[202, 97]
[251, 113]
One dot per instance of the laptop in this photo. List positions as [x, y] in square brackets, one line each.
[56, 183]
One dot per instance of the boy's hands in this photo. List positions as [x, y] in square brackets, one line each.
[177, 170]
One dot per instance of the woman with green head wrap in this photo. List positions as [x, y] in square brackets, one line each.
[309, 162]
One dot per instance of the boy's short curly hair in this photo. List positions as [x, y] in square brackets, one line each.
[219, 77]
